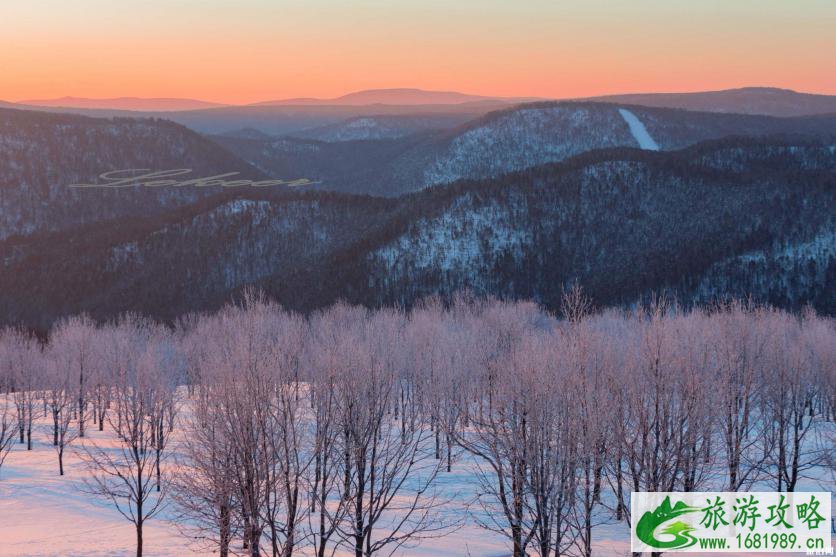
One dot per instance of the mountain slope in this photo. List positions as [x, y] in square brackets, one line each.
[382, 127]
[42, 154]
[504, 141]
[277, 120]
[621, 222]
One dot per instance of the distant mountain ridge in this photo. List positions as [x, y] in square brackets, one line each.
[393, 97]
[770, 101]
[124, 103]
[397, 97]
[302, 116]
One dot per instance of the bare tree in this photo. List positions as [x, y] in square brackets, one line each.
[25, 370]
[289, 436]
[389, 472]
[128, 476]
[60, 397]
[334, 431]
[499, 430]
[8, 428]
[789, 401]
[205, 488]
[324, 360]
[739, 347]
[75, 337]
[661, 432]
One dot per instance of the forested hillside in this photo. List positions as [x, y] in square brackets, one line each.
[503, 141]
[42, 154]
[709, 221]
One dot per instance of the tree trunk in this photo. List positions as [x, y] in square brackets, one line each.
[225, 534]
[139, 539]
[159, 445]
[619, 509]
[516, 535]
[322, 514]
[54, 427]
[255, 539]
[274, 538]
[449, 452]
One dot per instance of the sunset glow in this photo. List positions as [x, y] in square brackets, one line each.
[255, 50]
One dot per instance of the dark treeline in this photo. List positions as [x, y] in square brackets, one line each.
[272, 433]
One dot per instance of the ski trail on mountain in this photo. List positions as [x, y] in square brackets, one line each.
[638, 130]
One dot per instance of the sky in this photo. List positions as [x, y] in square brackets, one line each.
[240, 51]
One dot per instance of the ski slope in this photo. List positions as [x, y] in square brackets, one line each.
[638, 130]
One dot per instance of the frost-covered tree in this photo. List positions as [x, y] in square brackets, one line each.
[8, 428]
[24, 366]
[129, 476]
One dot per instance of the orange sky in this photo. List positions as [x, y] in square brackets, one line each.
[242, 51]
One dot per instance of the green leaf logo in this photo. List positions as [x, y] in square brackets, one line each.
[681, 531]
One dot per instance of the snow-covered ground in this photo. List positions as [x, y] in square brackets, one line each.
[638, 130]
[44, 514]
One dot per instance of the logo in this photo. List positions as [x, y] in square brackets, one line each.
[717, 522]
[664, 513]
[143, 177]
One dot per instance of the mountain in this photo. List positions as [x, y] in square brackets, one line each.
[123, 103]
[748, 100]
[302, 116]
[731, 217]
[42, 154]
[397, 97]
[291, 119]
[499, 142]
[282, 120]
[247, 133]
[382, 126]
[276, 118]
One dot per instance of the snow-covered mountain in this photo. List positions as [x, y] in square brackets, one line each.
[703, 221]
[506, 141]
[42, 154]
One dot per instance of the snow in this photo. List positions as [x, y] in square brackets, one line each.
[638, 130]
[45, 515]
[523, 138]
[458, 239]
